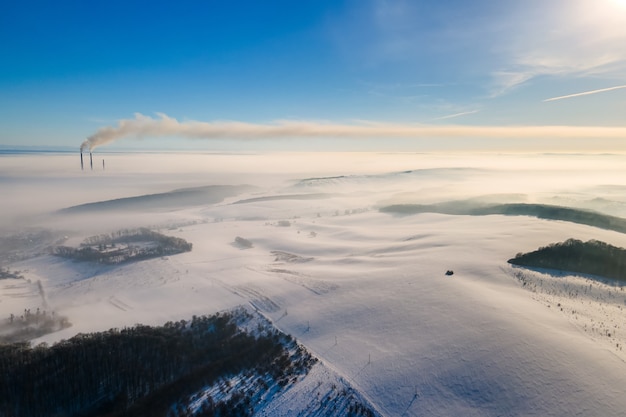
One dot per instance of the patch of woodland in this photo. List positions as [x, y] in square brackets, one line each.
[541, 211]
[592, 257]
[30, 325]
[242, 243]
[281, 256]
[127, 245]
[6, 273]
[151, 371]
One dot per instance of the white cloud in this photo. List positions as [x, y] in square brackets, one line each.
[576, 38]
[505, 81]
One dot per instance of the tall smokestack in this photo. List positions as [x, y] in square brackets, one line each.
[81, 160]
[90, 161]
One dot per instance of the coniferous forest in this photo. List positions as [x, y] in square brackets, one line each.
[592, 257]
[151, 371]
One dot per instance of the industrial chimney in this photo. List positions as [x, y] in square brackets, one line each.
[81, 160]
[91, 161]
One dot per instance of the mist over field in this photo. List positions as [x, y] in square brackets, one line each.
[41, 184]
[416, 309]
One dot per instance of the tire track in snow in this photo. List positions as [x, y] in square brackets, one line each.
[258, 300]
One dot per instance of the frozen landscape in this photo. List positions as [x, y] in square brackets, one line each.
[353, 208]
[302, 239]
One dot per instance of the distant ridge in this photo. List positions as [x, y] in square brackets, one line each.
[414, 173]
[315, 196]
[541, 211]
[31, 150]
[210, 194]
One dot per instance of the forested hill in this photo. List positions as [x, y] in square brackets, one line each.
[592, 257]
[206, 366]
[541, 211]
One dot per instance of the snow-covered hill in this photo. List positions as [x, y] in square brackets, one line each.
[365, 291]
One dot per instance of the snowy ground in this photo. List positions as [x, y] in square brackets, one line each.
[364, 291]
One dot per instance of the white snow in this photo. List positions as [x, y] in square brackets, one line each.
[364, 291]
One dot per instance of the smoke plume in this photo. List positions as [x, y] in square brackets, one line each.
[146, 126]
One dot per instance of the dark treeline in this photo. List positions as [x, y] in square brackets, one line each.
[542, 211]
[592, 257]
[124, 246]
[8, 274]
[132, 235]
[146, 371]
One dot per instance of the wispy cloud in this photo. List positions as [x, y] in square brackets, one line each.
[402, 92]
[586, 93]
[452, 116]
[505, 81]
[564, 38]
[165, 126]
[512, 43]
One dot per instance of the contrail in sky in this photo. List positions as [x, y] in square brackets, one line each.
[586, 93]
[165, 126]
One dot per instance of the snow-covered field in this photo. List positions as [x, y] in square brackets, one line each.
[364, 291]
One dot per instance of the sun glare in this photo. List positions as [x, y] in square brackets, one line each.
[620, 3]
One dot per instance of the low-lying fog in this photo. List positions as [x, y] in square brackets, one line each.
[300, 237]
[35, 185]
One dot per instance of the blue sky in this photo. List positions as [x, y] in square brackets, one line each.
[70, 68]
